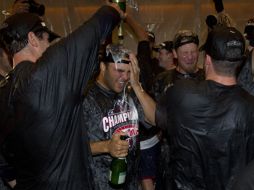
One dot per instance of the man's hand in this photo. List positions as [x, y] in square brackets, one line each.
[115, 6]
[118, 147]
[135, 71]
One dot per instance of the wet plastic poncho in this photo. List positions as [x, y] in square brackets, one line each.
[245, 77]
[210, 132]
[46, 146]
[107, 113]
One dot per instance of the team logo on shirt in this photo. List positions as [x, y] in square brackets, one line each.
[126, 122]
[131, 130]
[118, 118]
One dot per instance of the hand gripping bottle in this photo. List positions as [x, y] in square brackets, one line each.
[121, 4]
[118, 169]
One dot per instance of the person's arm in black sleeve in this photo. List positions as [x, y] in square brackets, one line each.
[219, 7]
[143, 52]
[145, 64]
[161, 112]
[245, 76]
[137, 28]
[72, 61]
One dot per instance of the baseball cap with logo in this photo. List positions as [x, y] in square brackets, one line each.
[225, 43]
[185, 37]
[17, 27]
[167, 45]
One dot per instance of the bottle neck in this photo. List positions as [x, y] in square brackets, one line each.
[122, 158]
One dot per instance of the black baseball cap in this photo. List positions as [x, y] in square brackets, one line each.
[17, 27]
[249, 29]
[183, 37]
[167, 45]
[225, 43]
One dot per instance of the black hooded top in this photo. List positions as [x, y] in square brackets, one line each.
[45, 143]
[210, 132]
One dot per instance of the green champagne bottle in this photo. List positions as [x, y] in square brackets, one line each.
[118, 170]
[121, 4]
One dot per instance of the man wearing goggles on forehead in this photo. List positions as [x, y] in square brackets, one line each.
[186, 52]
[112, 110]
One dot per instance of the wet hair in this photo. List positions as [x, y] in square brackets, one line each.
[114, 53]
[17, 45]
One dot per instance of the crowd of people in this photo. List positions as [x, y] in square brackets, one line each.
[66, 102]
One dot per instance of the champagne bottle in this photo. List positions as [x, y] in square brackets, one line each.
[122, 5]
[118, 170]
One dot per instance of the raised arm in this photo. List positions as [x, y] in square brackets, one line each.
[147, 103]
[75, 57]
[137, 28]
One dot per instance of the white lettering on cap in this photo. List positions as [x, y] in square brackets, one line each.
[234, 43]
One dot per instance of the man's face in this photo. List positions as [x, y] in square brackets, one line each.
[187, 57]
[116, 76]
[165, 57]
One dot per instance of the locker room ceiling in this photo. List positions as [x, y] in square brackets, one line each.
[163, 17]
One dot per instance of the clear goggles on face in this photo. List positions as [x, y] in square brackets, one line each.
[185, 37]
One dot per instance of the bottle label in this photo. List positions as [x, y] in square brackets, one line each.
[121, 178]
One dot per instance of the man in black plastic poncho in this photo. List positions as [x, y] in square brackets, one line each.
[210, 123]
[41, 121]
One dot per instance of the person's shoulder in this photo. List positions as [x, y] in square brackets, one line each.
[90, 91]
[165, 74]
[183, 88]
[246, 96]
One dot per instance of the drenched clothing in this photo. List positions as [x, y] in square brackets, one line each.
[162, 82]
[6, 174]
[245, 78]
[46, 145]
[245, 179]
[107, 113]
[210, 132]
